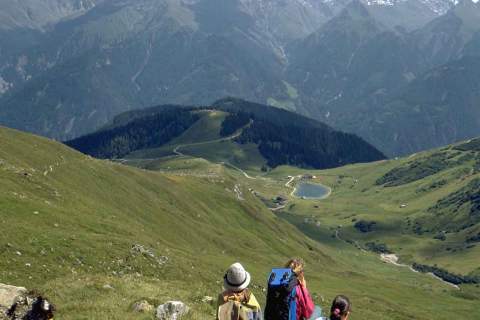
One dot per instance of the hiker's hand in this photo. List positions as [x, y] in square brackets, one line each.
[303, 282]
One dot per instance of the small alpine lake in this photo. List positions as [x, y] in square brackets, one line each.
[306, 190]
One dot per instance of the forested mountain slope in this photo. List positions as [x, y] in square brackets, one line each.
[280, 136]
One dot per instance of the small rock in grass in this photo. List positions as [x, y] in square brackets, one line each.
[207, 299]
[172, 310]
[142, 306]
[108, 287]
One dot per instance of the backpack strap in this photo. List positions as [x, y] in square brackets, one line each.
[293, 305]
[236, 311]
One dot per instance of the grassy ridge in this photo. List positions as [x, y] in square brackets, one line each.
[74, 220]
[203, 140]
[81, 219]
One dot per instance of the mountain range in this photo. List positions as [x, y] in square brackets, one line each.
[69, 66]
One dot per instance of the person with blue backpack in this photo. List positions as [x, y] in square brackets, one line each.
[287, 296]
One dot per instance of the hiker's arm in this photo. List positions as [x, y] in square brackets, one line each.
[308, 304]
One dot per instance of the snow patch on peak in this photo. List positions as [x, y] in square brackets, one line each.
[439, 7]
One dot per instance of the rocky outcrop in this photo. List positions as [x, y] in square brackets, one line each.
[138, 249]
[172, 310]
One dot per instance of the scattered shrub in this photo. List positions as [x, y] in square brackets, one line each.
[475, 238]
[441, 236]
[365, 226]
[377, 247]
[445, 275]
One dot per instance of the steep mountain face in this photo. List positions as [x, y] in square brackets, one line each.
[124, 55]
[442, 104]
[353, 63]
[407, 14]
[350, 71]
[70, 67]
[323, 60]
[445, 38]
[290, 20]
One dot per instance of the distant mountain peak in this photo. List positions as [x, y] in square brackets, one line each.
[35, 14]
[356, 7]
[439, 7]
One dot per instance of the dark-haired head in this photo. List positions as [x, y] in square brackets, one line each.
[340, 309]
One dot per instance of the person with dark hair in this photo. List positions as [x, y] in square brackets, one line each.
[341, 308]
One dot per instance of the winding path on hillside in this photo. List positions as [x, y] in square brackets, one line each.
[177, 152]
[177, 148]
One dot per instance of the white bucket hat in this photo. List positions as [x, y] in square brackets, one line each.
[236, 278]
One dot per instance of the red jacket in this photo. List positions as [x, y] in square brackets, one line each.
[305, 305]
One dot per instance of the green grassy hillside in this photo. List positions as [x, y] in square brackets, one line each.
[202, 140]
[70, 225]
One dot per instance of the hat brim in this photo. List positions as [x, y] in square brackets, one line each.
[243, 286]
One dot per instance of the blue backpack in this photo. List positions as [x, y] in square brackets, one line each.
[281, 295]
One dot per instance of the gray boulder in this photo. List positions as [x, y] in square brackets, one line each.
[172, 310]
[18, 303]
[9, 295]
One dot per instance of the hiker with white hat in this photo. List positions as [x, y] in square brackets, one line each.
[236, 301]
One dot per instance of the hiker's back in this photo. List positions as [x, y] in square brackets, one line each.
[281, 303]
[234, 310]
[238, 308]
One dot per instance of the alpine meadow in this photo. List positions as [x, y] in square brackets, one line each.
[240, 159]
